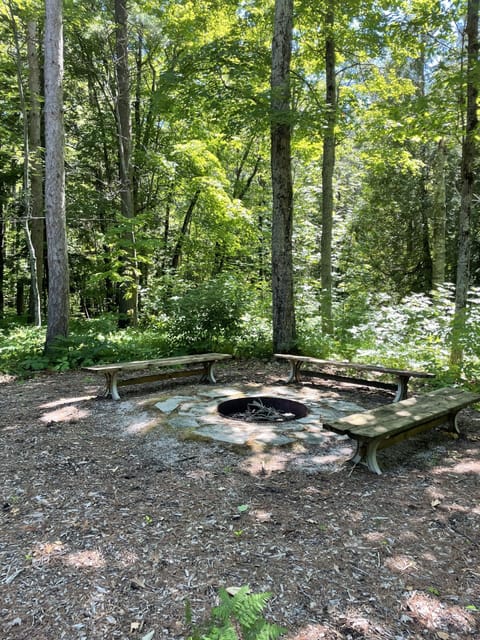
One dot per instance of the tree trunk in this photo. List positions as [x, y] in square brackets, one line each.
[439, 216]
[128, 290]
[328, 167]
[284, 329]
[27, 197]
[467, 185]
[36, 223]
[177, 251]
[2, 256]
[58, 289]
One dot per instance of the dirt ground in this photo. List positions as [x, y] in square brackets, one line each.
[108, 531]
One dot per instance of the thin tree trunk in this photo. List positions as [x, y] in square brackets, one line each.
[439, 216]
[284, 326]
[35, 292]
[37, 225]
[128, 290]
[177, 251]
[2, 256]
[467, 185]
[328, 167]
[58, 289]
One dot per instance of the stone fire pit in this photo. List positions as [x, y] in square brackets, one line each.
[203, 416]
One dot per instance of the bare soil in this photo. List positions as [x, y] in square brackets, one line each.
[108, 531]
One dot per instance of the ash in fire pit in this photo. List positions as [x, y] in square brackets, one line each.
[262, 409]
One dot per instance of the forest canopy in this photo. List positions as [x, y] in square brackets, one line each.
[174, 115]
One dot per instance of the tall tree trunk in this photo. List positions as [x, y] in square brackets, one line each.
[439, 216]
[2, 255]
[128, 290]
[37, 225]
[27, 199]
[328, 167]
[284, 329]
[467, 185]
[58, 288]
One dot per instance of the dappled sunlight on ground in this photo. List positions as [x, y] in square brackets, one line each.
[44, 552]
[113, 519]
[464, 467]
[401, 563]
[86, 559]
[63, 401]
[65, 414]
[313, 632]
[141, 424]
[435, 615]
[65, 409]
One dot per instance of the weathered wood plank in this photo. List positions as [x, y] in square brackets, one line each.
[393, 418]
[159, 362]
[324, 371]
[184, 373]
[113, 370]
[354, 365]
[389, 424]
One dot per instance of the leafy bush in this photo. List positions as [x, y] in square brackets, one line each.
[413, 333]
[21, 350]
[239, 617]
[207, 316]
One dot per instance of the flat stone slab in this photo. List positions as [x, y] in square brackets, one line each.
[183, 422]
[219, 392]
[169, 405]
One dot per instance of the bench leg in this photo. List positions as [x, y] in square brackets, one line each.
[452, 422]
[111, 385]
[402, 388]
[208, 375]
[366, 454]
[294, 371]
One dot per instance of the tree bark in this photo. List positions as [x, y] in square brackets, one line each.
[283, 312]
[128, 290]
[328, 167]
[2, 255]
[439, 216]
[28, 117]
[469, 153]
[36, 222]
[177, 251]
[58, 281]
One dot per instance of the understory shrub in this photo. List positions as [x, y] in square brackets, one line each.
[206, 317]
[416, 333]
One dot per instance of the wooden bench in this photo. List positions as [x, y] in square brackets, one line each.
[386, 425]
[322, 369]
[113, 371]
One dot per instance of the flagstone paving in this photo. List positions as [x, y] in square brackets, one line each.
[197, 417]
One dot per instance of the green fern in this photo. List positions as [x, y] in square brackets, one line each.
[239, 617]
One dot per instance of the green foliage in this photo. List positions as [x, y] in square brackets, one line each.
[413, 333]
[89, 342]
[207, 316]
[239, 617]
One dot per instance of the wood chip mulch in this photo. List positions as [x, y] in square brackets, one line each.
[110, 529]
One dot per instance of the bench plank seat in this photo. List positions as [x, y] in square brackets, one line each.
[321, 370]
[112, 371]
[392, 423]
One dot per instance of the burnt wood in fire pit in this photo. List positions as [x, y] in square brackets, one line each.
[262, 409]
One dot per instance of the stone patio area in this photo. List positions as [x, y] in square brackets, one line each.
[196, 417]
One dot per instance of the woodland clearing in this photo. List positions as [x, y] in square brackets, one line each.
[111, 532]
